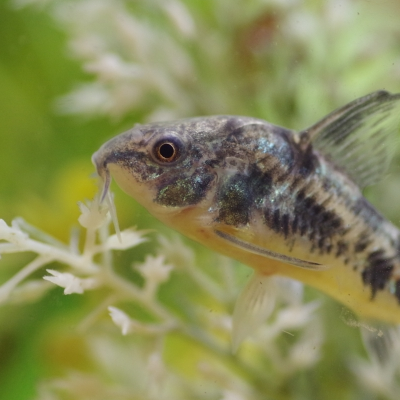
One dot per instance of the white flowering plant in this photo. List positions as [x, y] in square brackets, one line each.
[92, 270]
[144, 313]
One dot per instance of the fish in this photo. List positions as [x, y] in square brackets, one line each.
[284, 202]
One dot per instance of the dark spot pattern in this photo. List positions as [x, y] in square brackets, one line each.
[362, 243]
[276, 221]
[295, 224]
[181, 192]
[308, 162]
[260, 184]
[234, 201]
[285, 225]
[315, 221]
[342, 248]
[307, 218]
[378, 271]
[279, 223]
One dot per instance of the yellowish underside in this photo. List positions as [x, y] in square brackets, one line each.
[339, 281]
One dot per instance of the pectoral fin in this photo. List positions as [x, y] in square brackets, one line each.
[253, 306]
[252, 248]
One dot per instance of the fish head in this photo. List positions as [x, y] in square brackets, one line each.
[170, 166]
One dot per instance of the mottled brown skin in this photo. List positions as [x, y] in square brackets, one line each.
[267, 186]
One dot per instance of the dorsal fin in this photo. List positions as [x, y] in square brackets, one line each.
[359, 137]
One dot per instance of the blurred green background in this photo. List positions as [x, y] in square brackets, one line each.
[244, 61]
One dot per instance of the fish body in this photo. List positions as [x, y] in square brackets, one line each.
[282, 202]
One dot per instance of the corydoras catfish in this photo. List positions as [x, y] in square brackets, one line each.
[282, 202]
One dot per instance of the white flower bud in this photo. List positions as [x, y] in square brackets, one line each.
[93, 215]
[120, 319]
[155, 270]
[71, 283]
[129, 238]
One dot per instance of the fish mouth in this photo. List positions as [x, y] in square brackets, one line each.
[109, 167]
[110, 152]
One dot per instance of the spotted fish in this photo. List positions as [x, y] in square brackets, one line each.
[282, 202]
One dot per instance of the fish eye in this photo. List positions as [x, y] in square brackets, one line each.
[167, 150]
